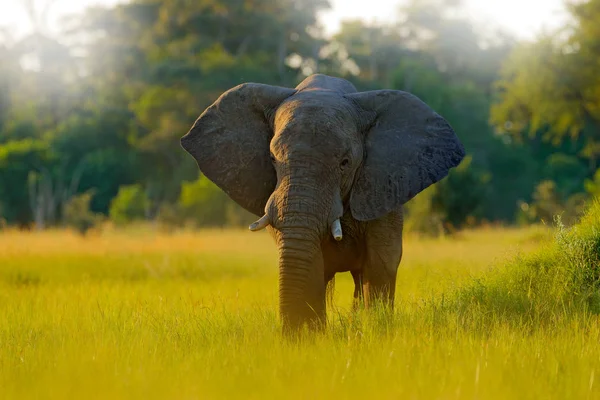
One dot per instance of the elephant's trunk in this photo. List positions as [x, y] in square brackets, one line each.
[301, 282]
[301, 222]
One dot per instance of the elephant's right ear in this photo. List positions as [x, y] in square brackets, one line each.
[230, 142]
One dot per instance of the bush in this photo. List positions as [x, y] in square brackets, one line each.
[203, 204]
[547, 203]
[563, 275]
[462, 194]
[130, 204]
[169, 217]
[421, 215]
[567, 171]
[592, 186]
[17, 160]
[77, 213]
[453, 203]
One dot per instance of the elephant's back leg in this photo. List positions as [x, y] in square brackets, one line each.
[343, 256]
[357, 276]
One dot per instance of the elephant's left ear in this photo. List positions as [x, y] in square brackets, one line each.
[408, 148]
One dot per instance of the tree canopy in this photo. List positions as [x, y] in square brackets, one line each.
[99, 108]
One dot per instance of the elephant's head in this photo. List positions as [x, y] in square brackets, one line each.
[299, 158]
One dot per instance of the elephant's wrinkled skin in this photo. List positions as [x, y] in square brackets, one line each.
[307, 157]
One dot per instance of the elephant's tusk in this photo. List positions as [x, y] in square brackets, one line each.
[336, 230]
[262, 223]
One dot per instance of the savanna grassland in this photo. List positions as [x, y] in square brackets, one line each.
[490, 314]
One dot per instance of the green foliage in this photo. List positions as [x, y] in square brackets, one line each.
[453, 203]
[547, 203]
[422, 216]
[130, 204]
[592, 186]
[567, 171]
[551, 86]
[78, 215]
[95, 142]
[109, 111]
[203, 204]
[17, 160]
[462, 194]
[563, 275]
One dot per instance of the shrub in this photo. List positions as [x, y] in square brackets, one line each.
[547, 203]
[169, 217]
[460, 196]
[130, 204]
[592, 186]
[77, 213]
[563, 275]
[237, 216]
[422, 217]
[453, 203]
[202, 203]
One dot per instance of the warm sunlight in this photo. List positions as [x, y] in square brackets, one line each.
[425, 175]
[523, 18]
[14, 15]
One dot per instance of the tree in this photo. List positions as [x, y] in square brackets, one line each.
[103, 105]
[550, 87]
[17, 160]
[130, 204]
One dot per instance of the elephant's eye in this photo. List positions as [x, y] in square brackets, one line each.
[344, 162]
[273, 160]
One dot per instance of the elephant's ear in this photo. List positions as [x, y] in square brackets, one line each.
[230, 142]
[407, 146]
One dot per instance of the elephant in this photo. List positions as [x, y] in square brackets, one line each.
[327, 169]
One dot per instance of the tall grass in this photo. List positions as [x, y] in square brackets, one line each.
[135, 314]
[563, 276]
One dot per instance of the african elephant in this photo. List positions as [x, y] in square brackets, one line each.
[327, 169]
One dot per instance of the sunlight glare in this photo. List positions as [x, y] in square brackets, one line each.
[523, 18]
[14, 16]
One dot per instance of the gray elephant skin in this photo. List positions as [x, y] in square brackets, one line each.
[327, 169]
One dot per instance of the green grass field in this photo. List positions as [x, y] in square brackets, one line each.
[138, 314]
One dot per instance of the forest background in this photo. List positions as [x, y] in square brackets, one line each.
[90, 117]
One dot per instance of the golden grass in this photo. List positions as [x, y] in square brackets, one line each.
[192, 315]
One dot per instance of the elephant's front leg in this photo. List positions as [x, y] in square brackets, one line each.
[383, 255]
